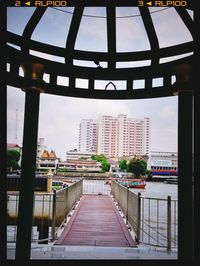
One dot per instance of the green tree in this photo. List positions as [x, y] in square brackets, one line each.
[99, 158]
[13, 158]
[137, 166]
[105, 165]
[123, 165]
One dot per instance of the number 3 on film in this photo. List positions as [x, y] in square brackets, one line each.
[140, 3]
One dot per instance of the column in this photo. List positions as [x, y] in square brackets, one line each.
[28, 165]
[185, 163]
[197, 173]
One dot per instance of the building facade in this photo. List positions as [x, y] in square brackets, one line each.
[123, 136]
[115, 136]
[47, 161]
[164, 163]
[77, 155]
[88, 135]
[85, 165]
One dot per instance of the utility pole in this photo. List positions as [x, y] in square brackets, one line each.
[16, 124]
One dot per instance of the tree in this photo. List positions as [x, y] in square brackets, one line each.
[137, 166]
[105, 165]
[99, 158]
[123, 165]
[13, 158]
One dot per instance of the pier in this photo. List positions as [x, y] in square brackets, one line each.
[96, 222]
[92, 220]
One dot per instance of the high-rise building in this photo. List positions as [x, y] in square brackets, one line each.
[116, 136]
[88, 136]
[123, 136]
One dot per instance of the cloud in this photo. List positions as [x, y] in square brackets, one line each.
[170, 28]
[168, 111]
[131, 35]
[164, 139]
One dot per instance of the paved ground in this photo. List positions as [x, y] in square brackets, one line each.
[51, 252]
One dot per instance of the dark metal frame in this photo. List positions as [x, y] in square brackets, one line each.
[33, 84]
[69, 53]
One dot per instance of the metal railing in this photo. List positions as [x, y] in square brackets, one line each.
[154, 220]
[158, 222]
[13, 183]
[50, 211]
[43, 204]
[63, 201]
[96, 186]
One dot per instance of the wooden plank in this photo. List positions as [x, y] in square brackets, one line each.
[96, 222]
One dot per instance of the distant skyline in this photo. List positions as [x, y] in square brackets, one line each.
[59, 117]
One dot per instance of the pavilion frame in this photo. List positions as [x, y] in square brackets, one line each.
[33, 84]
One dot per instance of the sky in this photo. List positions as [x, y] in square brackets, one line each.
[59, 117]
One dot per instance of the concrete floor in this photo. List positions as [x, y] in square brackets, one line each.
[51, 252]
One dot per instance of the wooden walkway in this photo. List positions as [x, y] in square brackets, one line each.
[96, 222]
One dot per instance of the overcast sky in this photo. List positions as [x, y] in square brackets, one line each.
[60, 116]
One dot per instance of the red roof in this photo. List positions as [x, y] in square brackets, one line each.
[12, 145]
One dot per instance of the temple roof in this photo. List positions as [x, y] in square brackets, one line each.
[52, 155]
[12, 145]
[45, 154]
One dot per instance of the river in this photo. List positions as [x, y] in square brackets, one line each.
[153, 189]
[158, 190]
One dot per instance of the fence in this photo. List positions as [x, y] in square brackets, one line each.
[50, 211]
[64, 201]
[43, 205]
[13, 183]
[159, 225]
[96, 187]
[153, 220]
[129, 203]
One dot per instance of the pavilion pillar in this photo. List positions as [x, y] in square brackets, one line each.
[185, 163]
[28, 164]
[197, 173]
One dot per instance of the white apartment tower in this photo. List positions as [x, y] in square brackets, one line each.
[108, 137]
[88, 136]
[115, 136]
[123, 136]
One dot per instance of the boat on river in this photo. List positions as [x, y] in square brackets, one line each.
[132, 183]
[172, 180]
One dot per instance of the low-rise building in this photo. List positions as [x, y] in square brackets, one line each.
[47, 161]
[76, 155]
[87, 165]
[164, 163]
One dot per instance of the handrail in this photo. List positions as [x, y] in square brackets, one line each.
[153, 227]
